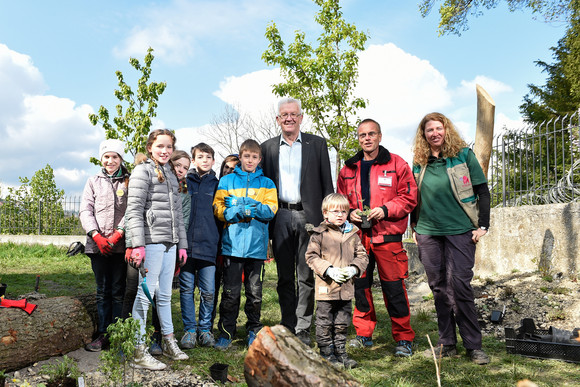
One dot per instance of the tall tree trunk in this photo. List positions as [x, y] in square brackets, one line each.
[484, 130]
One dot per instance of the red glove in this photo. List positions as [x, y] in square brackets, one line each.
[182, 257]
[138, 256]
[128, 253]
[103, 244]
[116, 237]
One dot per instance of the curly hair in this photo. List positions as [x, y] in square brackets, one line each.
[452, 143]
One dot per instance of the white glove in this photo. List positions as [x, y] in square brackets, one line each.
[349, 272]
[336, 274]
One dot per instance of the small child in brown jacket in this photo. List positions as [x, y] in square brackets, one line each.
[336, 255]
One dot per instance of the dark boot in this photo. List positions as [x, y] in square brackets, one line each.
[342, 357]
[328, 354]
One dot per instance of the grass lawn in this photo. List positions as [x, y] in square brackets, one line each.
[61, 275]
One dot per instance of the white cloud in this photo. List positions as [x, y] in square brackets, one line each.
[491, 86]
[37, 129]
[400, 88]
[251, 93]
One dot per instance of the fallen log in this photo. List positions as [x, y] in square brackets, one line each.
[278, 358]
[57, 326]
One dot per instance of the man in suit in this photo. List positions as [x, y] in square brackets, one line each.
[299, 165]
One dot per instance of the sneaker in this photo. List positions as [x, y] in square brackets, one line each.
[478, 356]
[441, 351]
[144, 360]
[361, 342]
[205, 339]
[404, 348]
[223, 344]
[155, 347]
[251, 338]
[189, 340]
[171, 349]
[97, 344]
[304, 336]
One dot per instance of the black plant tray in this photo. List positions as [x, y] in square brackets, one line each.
[519, 342]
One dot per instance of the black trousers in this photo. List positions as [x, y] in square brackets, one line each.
[253, 270]
[448, 261]
[295, 279]
[332, 319]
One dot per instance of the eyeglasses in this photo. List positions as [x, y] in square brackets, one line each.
[337, 212]
[369, 135]
[291, 115]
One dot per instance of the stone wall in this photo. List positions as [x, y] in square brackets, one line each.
[526, 238]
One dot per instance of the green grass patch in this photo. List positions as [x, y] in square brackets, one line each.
[61, 275]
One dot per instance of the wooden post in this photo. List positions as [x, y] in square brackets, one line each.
[484, 129]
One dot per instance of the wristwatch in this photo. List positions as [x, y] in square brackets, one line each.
[484, 228]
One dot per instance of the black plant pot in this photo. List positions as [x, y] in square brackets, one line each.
[365, 224]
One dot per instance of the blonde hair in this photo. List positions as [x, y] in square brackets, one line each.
[250, 146]
[335, 200]
[452, 143]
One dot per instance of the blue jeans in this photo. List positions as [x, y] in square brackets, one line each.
[110, 272]
[160, 265]
[206, 283]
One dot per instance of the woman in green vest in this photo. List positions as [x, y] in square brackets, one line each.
[451, 217]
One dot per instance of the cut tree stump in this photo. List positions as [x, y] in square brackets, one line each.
[278, 358]
[57, 326]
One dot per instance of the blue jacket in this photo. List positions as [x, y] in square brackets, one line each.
[203, 232]
[243, 236]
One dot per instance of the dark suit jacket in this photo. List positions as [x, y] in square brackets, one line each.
[315, 177]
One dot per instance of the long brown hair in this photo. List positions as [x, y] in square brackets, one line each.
[150, 140]
[452, 143]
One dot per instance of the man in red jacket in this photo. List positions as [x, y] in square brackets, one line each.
[381, 183]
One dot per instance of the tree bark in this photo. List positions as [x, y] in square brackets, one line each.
[57, 326]
[484, 130]
[278, 358]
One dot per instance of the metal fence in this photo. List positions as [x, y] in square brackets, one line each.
[539, 164]
[42, 218]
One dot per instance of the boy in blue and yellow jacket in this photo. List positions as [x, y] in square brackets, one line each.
[246, 201]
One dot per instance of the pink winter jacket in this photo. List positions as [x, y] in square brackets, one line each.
[103, 208]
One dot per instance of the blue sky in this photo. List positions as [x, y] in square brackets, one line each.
[58, 61]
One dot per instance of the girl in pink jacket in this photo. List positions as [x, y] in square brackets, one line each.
[102, 216]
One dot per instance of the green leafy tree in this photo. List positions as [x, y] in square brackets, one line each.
[323, 77]
[132, 123]
[454, 13]
[36, 206]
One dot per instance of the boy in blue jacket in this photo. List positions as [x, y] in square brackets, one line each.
[246, 201]
[203, 235]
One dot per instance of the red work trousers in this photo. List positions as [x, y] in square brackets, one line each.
[392, 263]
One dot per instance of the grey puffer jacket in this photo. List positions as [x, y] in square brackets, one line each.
[154, 213]
[103, 208]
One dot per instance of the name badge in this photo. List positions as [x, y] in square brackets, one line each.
[322, 290]
[386, 181]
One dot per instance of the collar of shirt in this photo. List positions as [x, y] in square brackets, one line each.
[284, 142]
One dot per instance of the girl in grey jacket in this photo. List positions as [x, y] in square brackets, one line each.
[155, 225]
[102, 216]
